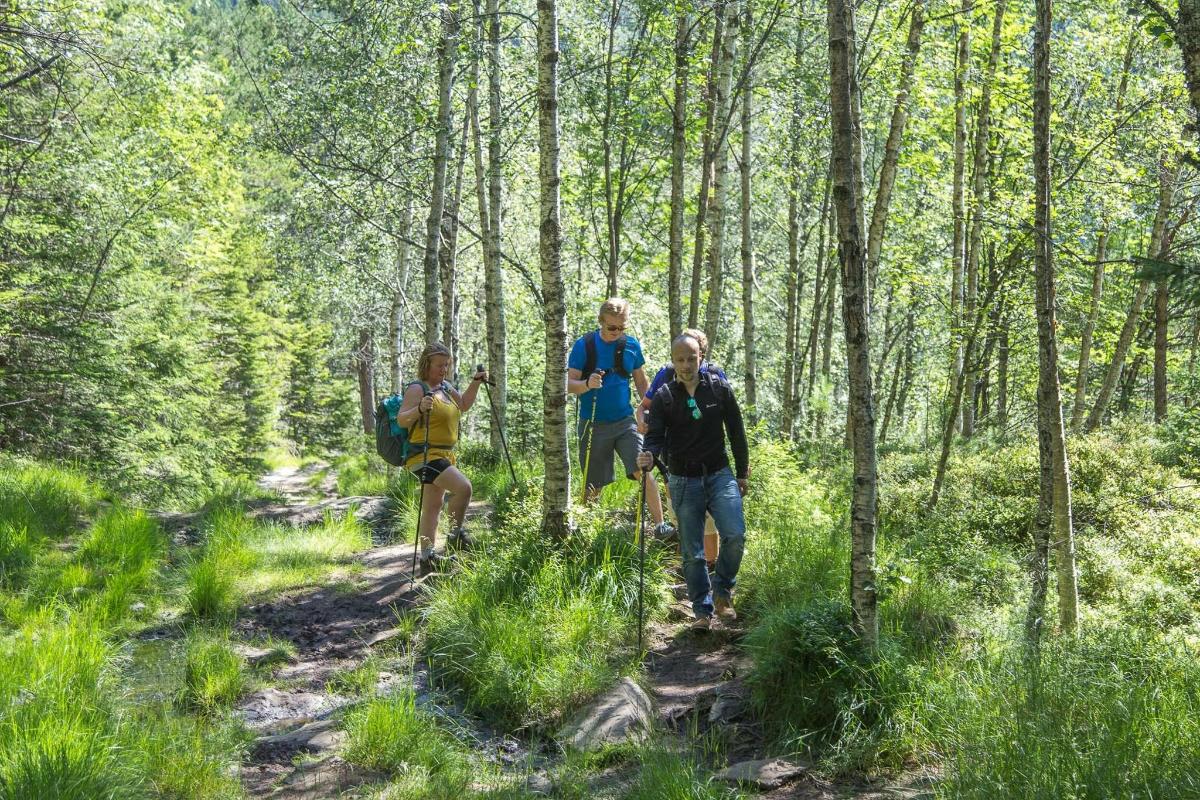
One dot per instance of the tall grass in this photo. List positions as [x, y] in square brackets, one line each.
[529, 632]
[67, 730]
[390, 734]
[242, 556]
[49, 502]
[214, 675]
[1113, 714]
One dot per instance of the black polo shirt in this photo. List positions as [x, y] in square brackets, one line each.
[694, 447]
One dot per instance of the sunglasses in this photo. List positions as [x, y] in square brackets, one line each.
[614, 328]
[695, 408]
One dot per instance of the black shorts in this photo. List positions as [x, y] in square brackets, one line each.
[429, 472]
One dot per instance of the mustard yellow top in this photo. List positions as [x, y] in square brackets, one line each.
[443, 431]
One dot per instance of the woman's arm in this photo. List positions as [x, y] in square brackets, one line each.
[415, 404]
[467, 399]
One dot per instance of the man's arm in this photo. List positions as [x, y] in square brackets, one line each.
[737, 434]
[656, 430]
[576, 384]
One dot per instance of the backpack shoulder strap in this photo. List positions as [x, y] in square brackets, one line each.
[619, 358]
[589, 350]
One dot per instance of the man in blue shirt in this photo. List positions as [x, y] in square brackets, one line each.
[599, 369]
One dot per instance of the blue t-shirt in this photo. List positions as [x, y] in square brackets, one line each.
[660, 377]
[613, 393]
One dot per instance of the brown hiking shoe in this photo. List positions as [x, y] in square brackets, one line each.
[434, 564]
[724, 609]
[459, 539]
[702, 623]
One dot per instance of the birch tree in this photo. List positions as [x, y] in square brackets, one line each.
[1054, 485]
[851, 252]
[556, 485]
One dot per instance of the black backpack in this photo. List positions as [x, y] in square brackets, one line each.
[589, 361]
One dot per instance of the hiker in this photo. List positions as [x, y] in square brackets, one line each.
[432, 396]
[599, 368]
[665, 374]
[688, 421]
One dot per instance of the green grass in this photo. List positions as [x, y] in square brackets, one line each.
[243, 557]
[364, 474]
[283, 557]
[69, 729]
[390, 734]
[1114, 714]
[358, 681]
[213, 676]
[530, 632]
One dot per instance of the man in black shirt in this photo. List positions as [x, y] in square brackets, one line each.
[688, 420]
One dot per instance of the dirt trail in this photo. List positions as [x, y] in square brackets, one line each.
[332, 630]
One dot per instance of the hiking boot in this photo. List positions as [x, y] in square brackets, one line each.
[724, 609]
[665, 532]
[703, 622]
[459, 539]
[434, 564]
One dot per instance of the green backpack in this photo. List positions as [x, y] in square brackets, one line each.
[391, 438]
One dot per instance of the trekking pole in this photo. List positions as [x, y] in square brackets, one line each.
[587, 454]
[488, 387]
[421, 496]
[641, 536]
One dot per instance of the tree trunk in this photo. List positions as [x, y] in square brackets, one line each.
[447, 57]
[397, 318]
[978, 202]
[1079, 407]
[1089, 330]
[557, 482]
[1002, 374]
[794, 366]
[909, 368]
[706, 161]
[851, 252]
[1054, 496]
[364, 360]
[831, 293]
[1166, 191]
[1187, 32]
[678, 156]
[613, 239]
[716, 211]
[820, 289]
[748, 334]
[1161, 310]
[957, 254]
[489, 222]
[891, 150]
[448, 257]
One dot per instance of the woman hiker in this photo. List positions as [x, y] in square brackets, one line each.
[689, 418]
[432, 460]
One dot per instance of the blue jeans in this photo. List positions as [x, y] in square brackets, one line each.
[718, 495]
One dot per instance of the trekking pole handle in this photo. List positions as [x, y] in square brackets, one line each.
[480, 369]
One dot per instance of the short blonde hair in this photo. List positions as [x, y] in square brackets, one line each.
[700, 338]
[426, 360]
[614, 307]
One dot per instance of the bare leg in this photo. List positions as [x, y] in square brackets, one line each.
[431, 509]
[459, 488]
